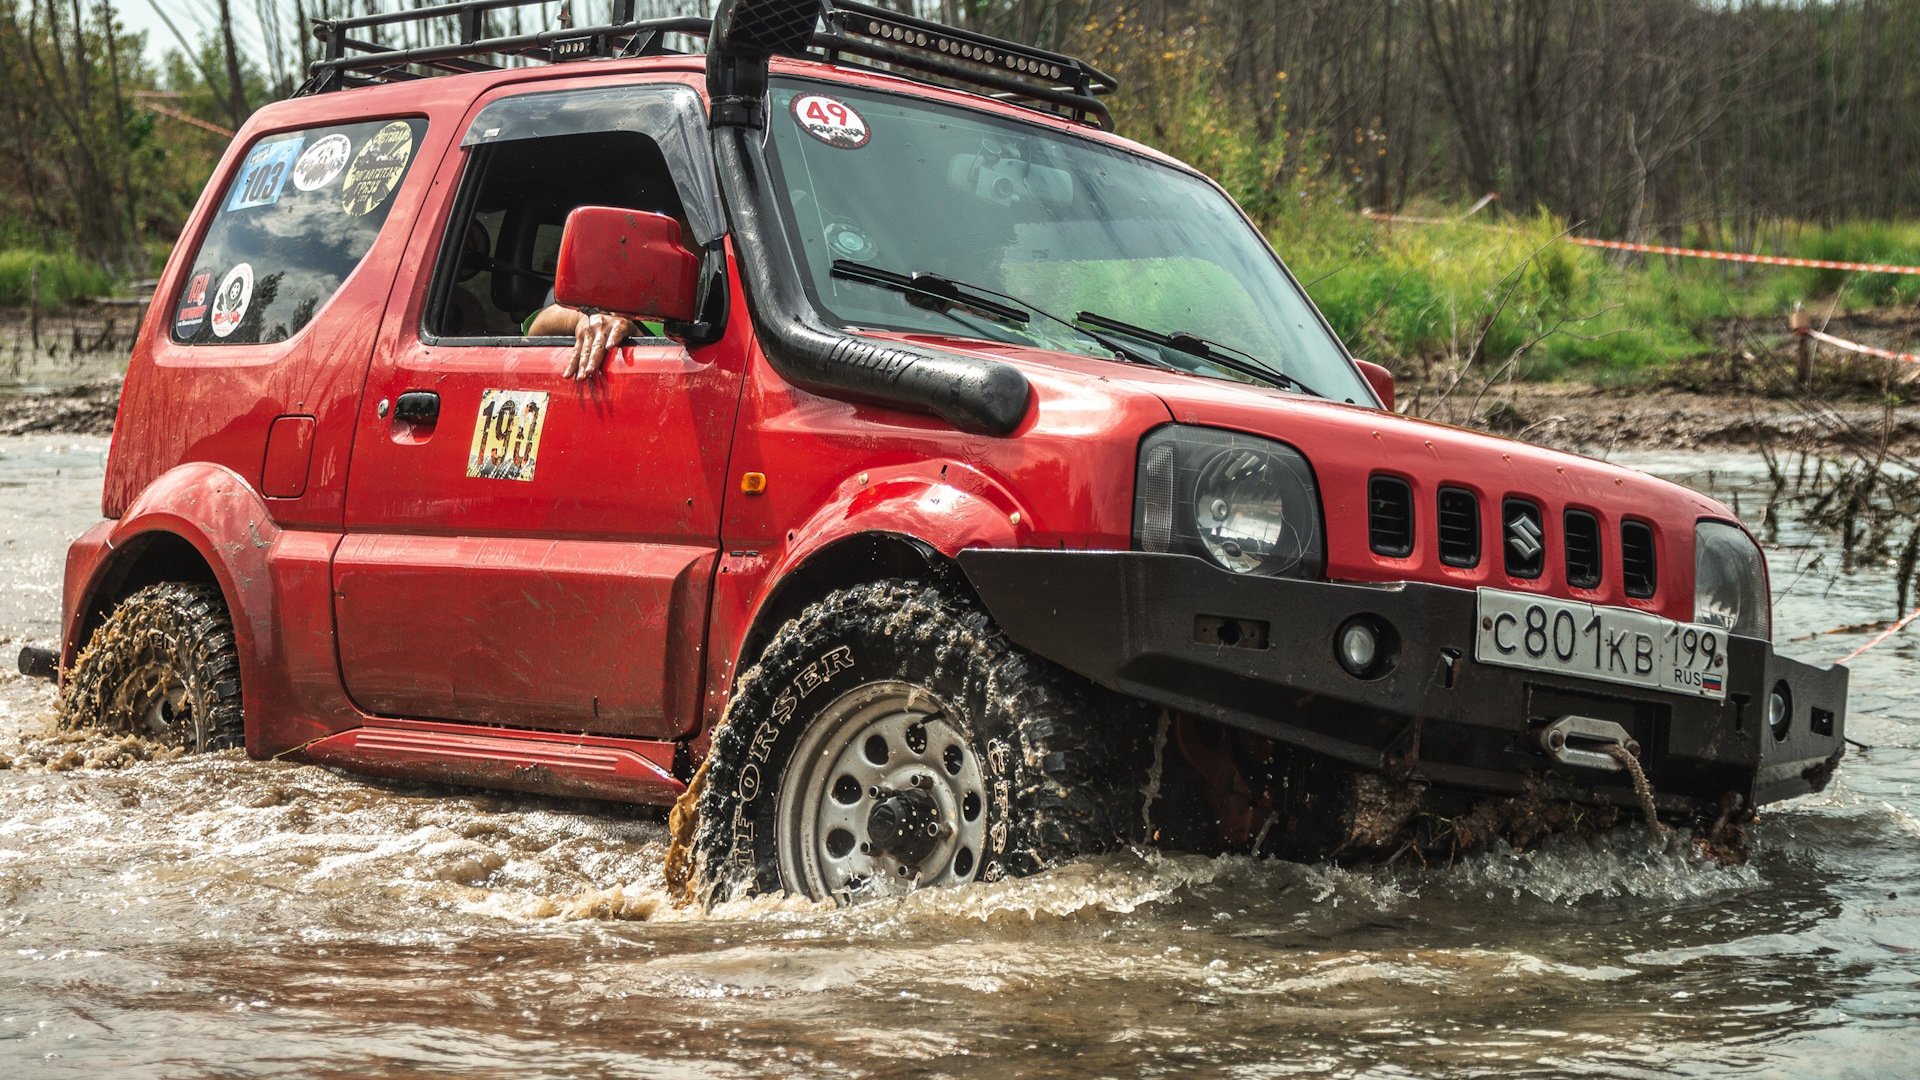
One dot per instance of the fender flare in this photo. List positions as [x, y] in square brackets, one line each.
[937, 507]
[228, 524]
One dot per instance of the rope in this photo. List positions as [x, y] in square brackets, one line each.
[1641, 787]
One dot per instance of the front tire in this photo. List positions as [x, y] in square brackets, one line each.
[891, 738]
[163, 666]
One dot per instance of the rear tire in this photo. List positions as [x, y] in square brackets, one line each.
[163, 666]
[891, 737]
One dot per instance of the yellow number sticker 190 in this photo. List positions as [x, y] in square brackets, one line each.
[506, 434]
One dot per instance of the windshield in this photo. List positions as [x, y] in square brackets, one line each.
[1062, 223]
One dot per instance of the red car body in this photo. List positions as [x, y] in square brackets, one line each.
[581, 633]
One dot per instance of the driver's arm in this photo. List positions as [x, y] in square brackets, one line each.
[592, 335]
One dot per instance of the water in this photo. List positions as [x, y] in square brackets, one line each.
[219, 917]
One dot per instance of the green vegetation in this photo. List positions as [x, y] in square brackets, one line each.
[50, 279]
[1499, 288]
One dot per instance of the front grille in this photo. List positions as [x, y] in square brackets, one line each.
[1523, 538]
[1390, 516]
[1459, 520]
[1583, 550]
[1638, 568]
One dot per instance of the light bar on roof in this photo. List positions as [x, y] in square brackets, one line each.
[1032, 63]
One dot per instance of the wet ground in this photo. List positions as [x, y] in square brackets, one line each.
[220, 917]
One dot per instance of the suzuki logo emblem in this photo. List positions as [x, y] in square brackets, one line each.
[1523, 534]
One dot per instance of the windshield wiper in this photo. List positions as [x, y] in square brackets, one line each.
[1212, 352]
[932, 291]
[942, 294]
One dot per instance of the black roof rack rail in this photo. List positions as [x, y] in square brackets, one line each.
[1007, 69]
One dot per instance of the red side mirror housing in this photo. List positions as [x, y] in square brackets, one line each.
[1380, 379]
[628, 262]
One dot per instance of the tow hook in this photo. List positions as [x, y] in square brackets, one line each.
[1583, 741]
[38, 663]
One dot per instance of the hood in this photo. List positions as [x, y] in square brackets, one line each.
[1349, 446]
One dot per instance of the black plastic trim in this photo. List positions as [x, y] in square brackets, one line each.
[1639, 560]
[1388, 497]
[1581, 548]
[1456, 509]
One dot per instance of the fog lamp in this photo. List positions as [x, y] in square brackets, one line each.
[1780, 711]
[1358, 647]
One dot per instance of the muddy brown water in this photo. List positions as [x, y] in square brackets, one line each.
[219, 917]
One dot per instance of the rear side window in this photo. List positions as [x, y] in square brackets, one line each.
[299, 215]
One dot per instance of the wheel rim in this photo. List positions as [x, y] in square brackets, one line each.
[884, 794]
[160, 708]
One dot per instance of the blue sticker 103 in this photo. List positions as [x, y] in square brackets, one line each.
[265, 173]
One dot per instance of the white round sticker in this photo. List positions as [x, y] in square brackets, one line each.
[322, 162]
[831, 120]
[230, 303]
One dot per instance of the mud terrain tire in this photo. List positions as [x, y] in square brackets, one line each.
[1059, 760]
[162, 666]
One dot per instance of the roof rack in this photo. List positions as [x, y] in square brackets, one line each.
[1008, 70]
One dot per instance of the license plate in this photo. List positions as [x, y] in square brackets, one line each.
[1540, 633]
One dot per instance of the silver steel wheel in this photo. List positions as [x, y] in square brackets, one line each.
[169, 708]
[883, 795]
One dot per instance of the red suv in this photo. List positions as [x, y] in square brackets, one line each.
[976, 482]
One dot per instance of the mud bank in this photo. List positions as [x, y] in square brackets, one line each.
[86, 408]
[1597, 422]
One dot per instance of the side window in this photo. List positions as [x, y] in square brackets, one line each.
[497, 261]
[300, 214]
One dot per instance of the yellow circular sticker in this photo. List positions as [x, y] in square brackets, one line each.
[377, 169]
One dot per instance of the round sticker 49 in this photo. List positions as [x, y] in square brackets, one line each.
[831, 120]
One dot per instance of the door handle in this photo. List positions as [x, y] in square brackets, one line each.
[417, 407]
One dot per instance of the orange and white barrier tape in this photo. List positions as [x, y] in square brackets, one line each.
[185, 118]
[1737, 256]
[1854, 346]
[1688, 253]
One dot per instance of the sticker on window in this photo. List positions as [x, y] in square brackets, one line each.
[506, 434]
[322, 162]
[831, 120]
[265, 173]
[230, 303]
[193, 305]
[377, 169]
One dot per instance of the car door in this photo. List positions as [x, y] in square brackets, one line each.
[522, 548]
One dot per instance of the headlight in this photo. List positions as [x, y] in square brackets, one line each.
[1730, 581]
[1247, 504]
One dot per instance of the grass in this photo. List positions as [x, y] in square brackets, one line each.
[57, 279]
[1500, 292]
[1512, 291]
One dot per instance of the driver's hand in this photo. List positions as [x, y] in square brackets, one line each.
[592, 337]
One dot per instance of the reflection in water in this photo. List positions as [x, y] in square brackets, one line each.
[226, 917]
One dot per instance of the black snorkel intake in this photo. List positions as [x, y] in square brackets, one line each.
[972, 394]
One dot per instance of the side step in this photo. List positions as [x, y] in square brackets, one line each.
[544, 765]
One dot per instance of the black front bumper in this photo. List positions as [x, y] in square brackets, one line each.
[1152, 626]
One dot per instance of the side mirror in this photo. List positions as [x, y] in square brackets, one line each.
[1380, 379]
[628, 262]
